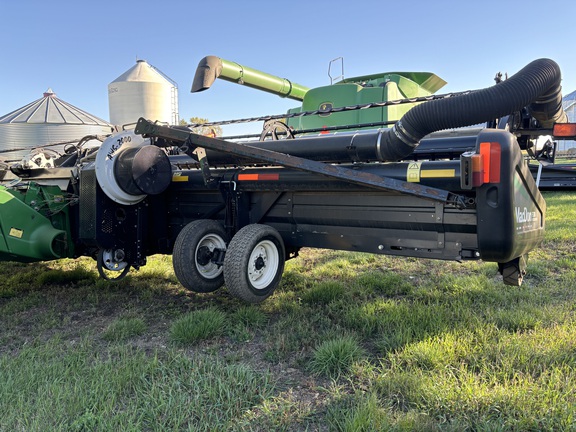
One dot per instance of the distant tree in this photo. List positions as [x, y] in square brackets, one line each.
[202, 130]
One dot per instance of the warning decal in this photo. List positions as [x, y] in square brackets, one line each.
[413, 172]
[15, 232]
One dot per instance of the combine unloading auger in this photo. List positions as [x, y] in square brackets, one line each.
[213, 67]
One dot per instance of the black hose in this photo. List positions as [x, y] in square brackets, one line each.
[536, 86]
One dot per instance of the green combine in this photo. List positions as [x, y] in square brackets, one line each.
[360, 90]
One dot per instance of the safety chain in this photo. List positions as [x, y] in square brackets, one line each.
[333, 110]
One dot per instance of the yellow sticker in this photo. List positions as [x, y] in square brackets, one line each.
[15, 232]
[179, 178]
[413, 172]
[438, 173]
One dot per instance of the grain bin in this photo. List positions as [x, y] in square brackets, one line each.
[48, 120]
[143, 91]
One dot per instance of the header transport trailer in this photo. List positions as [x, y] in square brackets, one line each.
[231, 212]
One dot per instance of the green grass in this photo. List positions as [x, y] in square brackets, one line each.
[124, 328]
[349, 342]
[55, 386]
[335, 357]
[197, 326]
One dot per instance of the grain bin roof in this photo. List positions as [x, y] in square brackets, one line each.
[142, 71]
[50, 109]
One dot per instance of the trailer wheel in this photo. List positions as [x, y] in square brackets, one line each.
[111, 265]
[197, 256]
[254, 263]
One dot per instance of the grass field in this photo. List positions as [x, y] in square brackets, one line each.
[350, 342]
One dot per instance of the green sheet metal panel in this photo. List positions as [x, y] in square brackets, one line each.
[364, 90]
[26, 235]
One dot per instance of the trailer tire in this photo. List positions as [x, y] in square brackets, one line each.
[192, 255]
[254, 263]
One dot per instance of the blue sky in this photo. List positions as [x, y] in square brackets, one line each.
[78, 48]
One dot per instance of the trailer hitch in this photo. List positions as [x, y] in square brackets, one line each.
[191, 141]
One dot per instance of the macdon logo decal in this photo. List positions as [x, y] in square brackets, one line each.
[524, 215]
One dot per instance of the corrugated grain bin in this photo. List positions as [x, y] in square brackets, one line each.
[143, 91]
[48, 120]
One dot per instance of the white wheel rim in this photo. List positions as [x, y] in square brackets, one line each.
[263, 264]
[211, 241]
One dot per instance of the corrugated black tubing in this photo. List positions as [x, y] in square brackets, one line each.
[536, 86]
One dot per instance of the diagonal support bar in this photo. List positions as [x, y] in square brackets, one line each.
[151, 129]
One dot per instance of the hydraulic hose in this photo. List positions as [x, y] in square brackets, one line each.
[536, 86]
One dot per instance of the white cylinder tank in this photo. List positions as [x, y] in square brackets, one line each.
[143, 91]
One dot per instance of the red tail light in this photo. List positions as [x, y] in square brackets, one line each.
[490, 153]
[564, 130]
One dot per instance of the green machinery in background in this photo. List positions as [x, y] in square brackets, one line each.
[360, 90]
